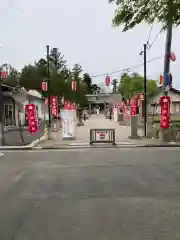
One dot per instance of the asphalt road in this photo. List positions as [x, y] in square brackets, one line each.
[13, 137]
[106, 194]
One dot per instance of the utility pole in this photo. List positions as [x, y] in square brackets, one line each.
[49, 93]
[145, 92]
[167, 60]
[2, 142]
[167, 52]
[1, 117]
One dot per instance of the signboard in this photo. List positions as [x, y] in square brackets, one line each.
[68, 124]
[102, 135]
[165, 102]
[31, 118]
[54, 102]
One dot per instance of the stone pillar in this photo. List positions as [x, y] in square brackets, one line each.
[121, 117]
[134, 127]
[90, 109]
[79, 117]
[105, 109]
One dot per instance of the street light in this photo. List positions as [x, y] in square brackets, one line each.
[49, 91]
[1, 111]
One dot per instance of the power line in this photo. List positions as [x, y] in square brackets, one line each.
[150, 34]
[157, 35]
[126, 69]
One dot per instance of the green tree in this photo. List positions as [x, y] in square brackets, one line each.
[131, 85]
[60, 77]
[30, 77]
[88, 82]
[76, 71]
[57, 59]
[95, 88]
[12, 77]
[131, 13]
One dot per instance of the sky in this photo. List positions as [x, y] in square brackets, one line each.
[83, 32]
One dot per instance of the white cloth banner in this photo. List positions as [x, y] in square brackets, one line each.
[115, 111]
[68, 124]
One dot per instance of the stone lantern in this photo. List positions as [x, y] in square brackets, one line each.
[79, 111]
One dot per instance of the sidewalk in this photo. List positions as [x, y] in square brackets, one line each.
[12, 137]
[82, 134]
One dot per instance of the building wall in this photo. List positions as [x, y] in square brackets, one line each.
[101, 98]
[39, 103]
[175, 103]
[21, 99]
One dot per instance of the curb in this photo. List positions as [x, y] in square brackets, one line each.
[15, 148]
[30, 146]
[37, 141]
[33, 146]
[108, 146]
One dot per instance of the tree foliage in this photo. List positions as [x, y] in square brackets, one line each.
[88, 82]
[132, 12]
[12, 77]
[32, 75]
[130, 85]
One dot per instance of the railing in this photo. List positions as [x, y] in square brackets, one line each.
[102, 136]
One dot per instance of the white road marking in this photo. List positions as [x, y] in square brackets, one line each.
[1, 154]
[79, 144]
[45, 150]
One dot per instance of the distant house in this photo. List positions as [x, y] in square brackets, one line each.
[102, 99]
[14, 101]
[175, 101]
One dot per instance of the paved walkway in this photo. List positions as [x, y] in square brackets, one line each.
[99, 121]
[82, 133]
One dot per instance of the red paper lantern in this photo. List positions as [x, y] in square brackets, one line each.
[3, 75]
[172, 56]
[44, 86]
[74, 85]
[161, 79]
[107, 80]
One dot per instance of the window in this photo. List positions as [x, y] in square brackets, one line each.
[8, 115]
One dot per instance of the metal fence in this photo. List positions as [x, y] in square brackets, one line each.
[102, 136]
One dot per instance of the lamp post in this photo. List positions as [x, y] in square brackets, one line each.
[49, 93]
[3, 75]
[1, 113]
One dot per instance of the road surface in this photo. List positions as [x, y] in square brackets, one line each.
[90, 194]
